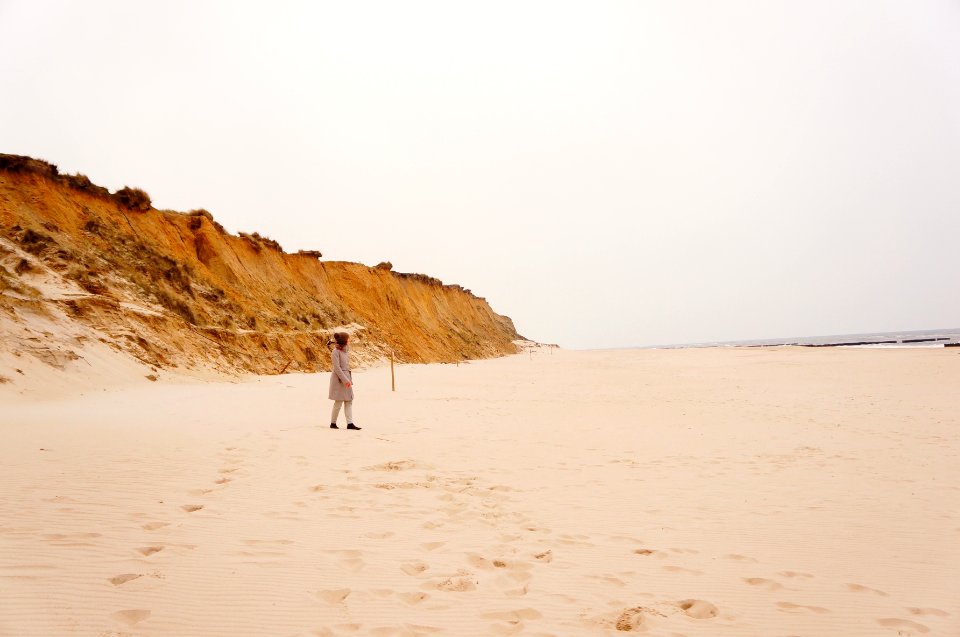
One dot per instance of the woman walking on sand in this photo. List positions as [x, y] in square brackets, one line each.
[341, 382]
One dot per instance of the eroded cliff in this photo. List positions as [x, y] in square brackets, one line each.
[174, 290]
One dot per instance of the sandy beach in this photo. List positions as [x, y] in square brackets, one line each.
[703, 492]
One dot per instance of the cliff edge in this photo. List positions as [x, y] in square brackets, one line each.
[81, 268]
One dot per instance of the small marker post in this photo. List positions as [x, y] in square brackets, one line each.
[393, 382]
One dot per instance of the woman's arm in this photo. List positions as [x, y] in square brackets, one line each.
[338, 369]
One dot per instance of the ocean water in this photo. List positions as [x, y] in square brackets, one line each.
[920, 338]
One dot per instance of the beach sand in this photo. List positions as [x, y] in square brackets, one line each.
[701, 492]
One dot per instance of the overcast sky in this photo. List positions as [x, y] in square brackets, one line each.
[605, 173]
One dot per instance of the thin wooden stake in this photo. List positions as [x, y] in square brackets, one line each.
[393, 382]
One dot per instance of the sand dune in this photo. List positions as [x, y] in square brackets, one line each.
[84, 274]
[691, 492]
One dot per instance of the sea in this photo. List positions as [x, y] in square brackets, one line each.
[921, 338]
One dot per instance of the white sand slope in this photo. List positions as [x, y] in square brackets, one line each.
[686, 492]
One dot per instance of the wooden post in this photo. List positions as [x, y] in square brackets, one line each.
[393, 382]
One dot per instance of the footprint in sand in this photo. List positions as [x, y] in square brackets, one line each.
[223, 480]
[546, 557]
[515, 565]
[514, 617]
[353, 564]
[131, 617]
[651, 552]
[929, 611]
[414, 598]
[153, 526]
[740, 558]
[507, 629]
[763, 582]
[697, 608]
[379, 536]
[537, 529]
[575, 540]
[118, 580]
[455, 584]
[190, 508]
[860, 588]
[636, 618]
[903, 626]
[680, 569]
[608, 579]
[414, 568]
[229, 469]
[432, 546]
[395, 465]
[792, 574]
[149, 550]
[263, 549]
[334, 596]
[481, 562]
[420, 630]
[790, 607]
[71, 539]
[282, 515]
[351, 559]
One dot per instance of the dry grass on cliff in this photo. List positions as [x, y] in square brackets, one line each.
[133, 198]
[258, 241]
[22, 164]
[83, 184]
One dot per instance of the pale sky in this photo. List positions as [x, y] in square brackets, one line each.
[608, 174]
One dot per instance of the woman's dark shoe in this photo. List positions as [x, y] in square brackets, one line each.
[350, 425]
[333, 425]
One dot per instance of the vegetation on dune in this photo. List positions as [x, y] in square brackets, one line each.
[83, 184]
[133, 198]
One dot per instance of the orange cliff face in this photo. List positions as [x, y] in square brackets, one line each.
[173, 290]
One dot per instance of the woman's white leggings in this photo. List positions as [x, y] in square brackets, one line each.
[347, 410]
